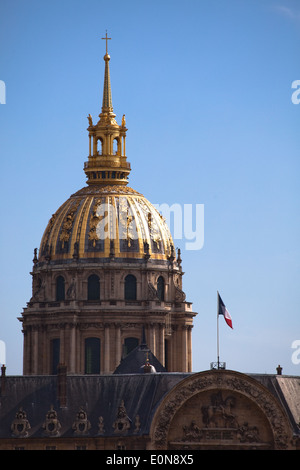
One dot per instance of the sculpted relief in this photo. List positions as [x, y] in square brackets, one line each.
[219, 421]
[219, 409]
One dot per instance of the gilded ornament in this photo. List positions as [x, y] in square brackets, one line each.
[94, 222]
[90, 120]
[68, 223]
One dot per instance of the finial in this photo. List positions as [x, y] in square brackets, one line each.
[179, 260]
[35, 258]
[107, 101]
[106, 39]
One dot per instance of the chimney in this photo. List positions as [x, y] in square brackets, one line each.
[279, 370]
[3, 380]
[62, 385]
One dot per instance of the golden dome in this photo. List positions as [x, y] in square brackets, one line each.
[106, 222]
[106, 219]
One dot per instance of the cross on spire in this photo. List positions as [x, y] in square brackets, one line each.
[106, 39]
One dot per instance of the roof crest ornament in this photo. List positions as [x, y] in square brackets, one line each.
[106, 39]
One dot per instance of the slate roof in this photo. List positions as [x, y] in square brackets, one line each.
[98, 395]
[101, 395]
[134, 362]
[286, 389]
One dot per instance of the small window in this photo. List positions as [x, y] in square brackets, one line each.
[161, 288]
[130, 287]
[92, 356]
[60, 288]
[93, 287]
[130, 344]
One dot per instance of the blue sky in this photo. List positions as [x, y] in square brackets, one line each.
[206, 89]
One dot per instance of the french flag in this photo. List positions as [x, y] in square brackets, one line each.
[222, 310]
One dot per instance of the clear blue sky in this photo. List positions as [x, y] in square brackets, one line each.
[206, 89]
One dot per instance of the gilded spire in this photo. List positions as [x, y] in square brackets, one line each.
[107, 106]
[107, 163]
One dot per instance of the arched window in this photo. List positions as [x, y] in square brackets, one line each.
[130, 287]
[115, 146]
[129, 345]
[54, 354]
[60, 288]
[161, 288]
[92, 356]
[100, 146]
[93, 287]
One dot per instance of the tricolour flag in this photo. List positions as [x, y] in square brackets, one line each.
[222, 310]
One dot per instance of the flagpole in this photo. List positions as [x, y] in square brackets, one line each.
[218, 347]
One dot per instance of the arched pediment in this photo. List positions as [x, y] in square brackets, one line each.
[220, 409]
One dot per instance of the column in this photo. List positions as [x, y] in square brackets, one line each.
[189, 332]
[80, 353]
[153, 339]
[26, 349]
[94, 145]
[45, 349]
[35, 343]
[162, 343]
[174, 349]
[62, 344]
[72, 362]
[184, 348]
[118, 345]
[177, 363]
[106, 348]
